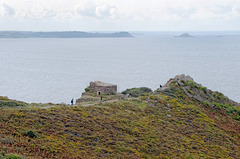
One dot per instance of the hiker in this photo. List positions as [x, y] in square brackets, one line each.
[160, 87]
[72, 101]
[101, 98]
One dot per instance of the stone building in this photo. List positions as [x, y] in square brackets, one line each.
[99, 88]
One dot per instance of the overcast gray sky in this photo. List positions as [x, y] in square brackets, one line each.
[118, 15]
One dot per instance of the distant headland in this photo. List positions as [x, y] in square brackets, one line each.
[64, 34]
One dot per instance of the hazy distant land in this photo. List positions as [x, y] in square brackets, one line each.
[185, 35]
[67, 34]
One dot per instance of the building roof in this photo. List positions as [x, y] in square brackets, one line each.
[99, 83]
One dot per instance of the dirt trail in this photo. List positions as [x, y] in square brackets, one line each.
[83, 105]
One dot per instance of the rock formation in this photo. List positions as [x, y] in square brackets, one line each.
[193, 90]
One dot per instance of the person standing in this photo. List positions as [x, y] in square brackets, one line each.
[160, 87]
[101, 98]
[72, 101]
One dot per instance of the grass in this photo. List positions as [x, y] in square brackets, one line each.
[125, 129]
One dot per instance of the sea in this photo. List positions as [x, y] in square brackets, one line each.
[52, 70]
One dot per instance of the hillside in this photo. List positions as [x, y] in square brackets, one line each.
[183, 120]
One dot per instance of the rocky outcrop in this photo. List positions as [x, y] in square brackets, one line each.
[186, 84]
[180, 79]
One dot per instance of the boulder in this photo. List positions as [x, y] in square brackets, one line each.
[183, 77]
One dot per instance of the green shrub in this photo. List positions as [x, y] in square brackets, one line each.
[87, 89]
[30, 134]
[3, 153]
[191, 83]
[206, 103]
[144, 97]
[237, 117]
[204, 89]
[136, 92]
[153, 97]
[219, 96]
[190, 91]
[172, 91]
[13, 156]
[5, 102]
[229, 109]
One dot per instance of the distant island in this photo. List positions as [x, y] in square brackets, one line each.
[65, 34]
[185, 35]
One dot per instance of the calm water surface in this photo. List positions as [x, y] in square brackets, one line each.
[56, 70]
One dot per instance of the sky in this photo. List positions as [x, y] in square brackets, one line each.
[120, 15]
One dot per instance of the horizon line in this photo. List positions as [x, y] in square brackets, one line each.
[120, 31]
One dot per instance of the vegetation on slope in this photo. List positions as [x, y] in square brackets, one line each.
[194, 93]
[5, 102]
[168, 124]
[136, 92]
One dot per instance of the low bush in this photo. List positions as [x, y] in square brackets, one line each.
[3, 153]
[5, 102]
[204, 89]
[30, 134]
[153, 97]
[13, 156]
[229, 109]
[191, 83]
[206, 103]
[172, 92]
[87, 89]
[136, 92]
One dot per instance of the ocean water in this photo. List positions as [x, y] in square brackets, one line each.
[57, 70]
